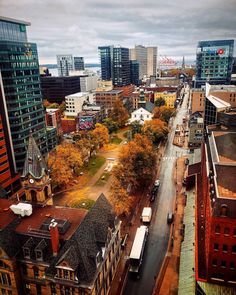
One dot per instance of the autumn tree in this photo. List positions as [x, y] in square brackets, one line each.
[64, 163]
[62, 107]
[160, 102]
[119, 114]
[119, 198]
[53, 106]
[135, 163]
[163, 113]
[100, 135]
[155, 130]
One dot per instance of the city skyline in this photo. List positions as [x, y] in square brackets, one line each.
[175, 27]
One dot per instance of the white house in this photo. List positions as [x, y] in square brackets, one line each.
[140, 115]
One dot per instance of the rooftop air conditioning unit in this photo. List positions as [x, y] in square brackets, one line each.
[22, 209]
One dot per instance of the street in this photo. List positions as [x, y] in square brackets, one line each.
[159, 230]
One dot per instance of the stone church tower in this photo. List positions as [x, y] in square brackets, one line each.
[35, 177]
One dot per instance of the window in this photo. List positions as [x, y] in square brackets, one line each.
[224, 210]
[216, 247]
[225, 248]
[232, 265]
[234, 249]
[223, 263]
[26, 252]
[235, 232]
[36, 272]
[217, 229]
[5, 279]
[214, 262]
[38, 254]
[4, 265]
[226, 231]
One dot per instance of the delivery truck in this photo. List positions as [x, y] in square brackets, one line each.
[146, 214]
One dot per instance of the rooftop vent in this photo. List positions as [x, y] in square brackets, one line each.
[22, 209]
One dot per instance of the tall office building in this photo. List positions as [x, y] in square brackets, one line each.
[214, 62]
[134, 72]
[147, 58]
[151, 61]
[65, 63]
[106, 58]
[78, 63]
[21, 91]
[121, 66]
[115, 65]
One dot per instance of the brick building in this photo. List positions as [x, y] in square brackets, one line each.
[54, 250]
[107, 98]
[216, 207]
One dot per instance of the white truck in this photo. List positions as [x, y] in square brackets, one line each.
[146, 214]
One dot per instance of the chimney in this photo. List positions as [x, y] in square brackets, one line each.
[53, 227]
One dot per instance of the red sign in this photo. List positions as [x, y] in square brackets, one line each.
[220, 51]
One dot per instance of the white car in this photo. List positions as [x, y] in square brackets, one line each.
[157, 182]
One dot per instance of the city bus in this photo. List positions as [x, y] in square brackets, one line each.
[136, 254]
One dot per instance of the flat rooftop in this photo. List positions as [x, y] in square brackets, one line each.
[226, 146]
[226, 181]
[77, 94]
[14, 21]
[114, 91]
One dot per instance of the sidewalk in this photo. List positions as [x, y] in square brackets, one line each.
[167, 281]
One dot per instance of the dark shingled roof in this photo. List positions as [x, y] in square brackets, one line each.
[149, 106]
[34, 162]
[80, 252]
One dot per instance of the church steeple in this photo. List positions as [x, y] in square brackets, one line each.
[35, 176]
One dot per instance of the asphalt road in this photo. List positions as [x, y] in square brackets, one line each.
[159, 230]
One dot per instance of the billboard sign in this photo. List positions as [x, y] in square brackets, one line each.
[86, 123]
[222, 51]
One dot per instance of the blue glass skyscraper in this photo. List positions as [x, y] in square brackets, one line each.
[214, 62]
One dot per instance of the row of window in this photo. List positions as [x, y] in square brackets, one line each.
[226, 230]
[5, 279]
[225, 248]
[223, 263]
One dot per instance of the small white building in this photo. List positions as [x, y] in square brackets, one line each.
[140, 115]
[74, 102]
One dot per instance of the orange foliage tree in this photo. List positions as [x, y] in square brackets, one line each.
[155, 130]
[163, 113]
[119, 114]
[64, 163]
[100, 135]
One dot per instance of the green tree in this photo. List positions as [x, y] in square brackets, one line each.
[53, 106]
[62, 107]
[111, 125]
[136, 127]
[160, 102]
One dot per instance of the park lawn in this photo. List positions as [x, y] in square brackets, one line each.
[83, 203]
[94, 164]
[103, 179]
[116, 140]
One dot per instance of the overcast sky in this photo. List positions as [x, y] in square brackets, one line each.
[78, 27]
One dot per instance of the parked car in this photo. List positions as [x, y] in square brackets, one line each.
[157, 183]
[170, 217]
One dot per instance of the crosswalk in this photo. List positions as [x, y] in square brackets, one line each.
[168, 158]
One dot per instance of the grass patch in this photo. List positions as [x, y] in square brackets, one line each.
[94, 164]
[116, 140]
[103, 179]
[83, 203]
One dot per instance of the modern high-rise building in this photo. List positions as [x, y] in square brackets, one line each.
[106, 58]
[147, 58]
[21, 91]
[214, 62]
[78, 63]
[151, 61]
[115, 64]
[134, 72]
[65, 63]
[121, 66]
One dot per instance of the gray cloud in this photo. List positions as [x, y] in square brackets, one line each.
[79, 27]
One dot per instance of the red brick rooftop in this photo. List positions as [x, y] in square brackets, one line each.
[6, 215]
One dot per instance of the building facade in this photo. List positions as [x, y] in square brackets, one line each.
[196, 128]
[65, 63]
[214, 62]
[55, 89]
[151, 61]
[121, 66]
[140, 115]
[107, 98]
[106, 58]
[74, 102]
[78, 63]
[134, 72]
[21, 88]
[169, 97]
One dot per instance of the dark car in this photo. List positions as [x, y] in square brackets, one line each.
[153, 193]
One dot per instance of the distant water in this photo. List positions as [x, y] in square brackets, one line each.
[54, 71]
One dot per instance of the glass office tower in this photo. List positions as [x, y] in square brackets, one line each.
[21, 85]
[106, 58]
[214, 62]
[121, 66]
[134, 72]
